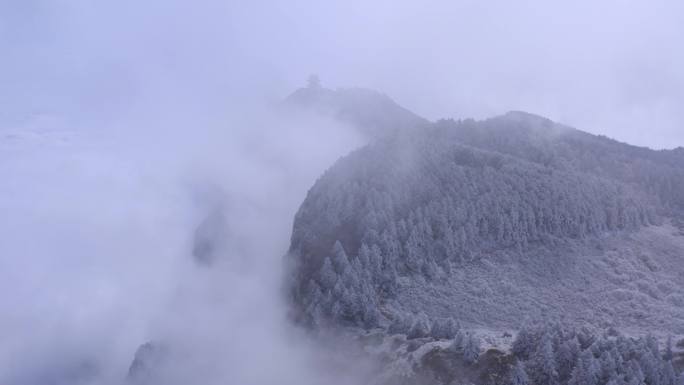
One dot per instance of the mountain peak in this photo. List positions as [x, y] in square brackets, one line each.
[524, 116]
[371, 112]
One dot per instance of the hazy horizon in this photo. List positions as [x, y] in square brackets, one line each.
[604, 68]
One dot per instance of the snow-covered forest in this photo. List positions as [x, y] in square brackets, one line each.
[552, 354]
[541, 353]
[423, 207]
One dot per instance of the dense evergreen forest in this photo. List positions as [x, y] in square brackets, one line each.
[411, 212]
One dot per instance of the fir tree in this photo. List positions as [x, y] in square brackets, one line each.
[518, 375]
[542, 365]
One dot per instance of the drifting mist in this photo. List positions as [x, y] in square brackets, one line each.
[124, 125]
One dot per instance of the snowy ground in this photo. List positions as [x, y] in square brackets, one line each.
[629, 281]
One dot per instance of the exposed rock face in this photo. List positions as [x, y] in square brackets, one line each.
[210, 236]
[147, 363]
[492, 222]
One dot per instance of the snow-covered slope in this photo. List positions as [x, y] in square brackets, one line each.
[491, 223]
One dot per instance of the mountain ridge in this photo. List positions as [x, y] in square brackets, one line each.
[405, 220]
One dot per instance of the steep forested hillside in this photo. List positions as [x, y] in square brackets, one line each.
[539, 140]
[487, 223]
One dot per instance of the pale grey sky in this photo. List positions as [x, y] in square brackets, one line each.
[610, 67]
[113, 115]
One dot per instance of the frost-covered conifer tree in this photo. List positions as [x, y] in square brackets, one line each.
[668, 354]
[459, 342]
[581, 375]
[667, 374]
[567, 355]
[525, 342]
[518, 375]
[340, 259]
[420, 327]
[444, 328]
[542, 367]
[471, 348]
[327, 275]
[401, 324]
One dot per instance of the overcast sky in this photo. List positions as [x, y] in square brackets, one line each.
[610, 67]
[115, 117]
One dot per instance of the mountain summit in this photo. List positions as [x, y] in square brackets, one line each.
[373, 113]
